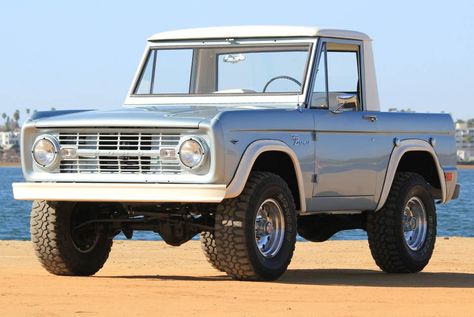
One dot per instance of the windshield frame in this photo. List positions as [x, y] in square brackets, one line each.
[233, 98]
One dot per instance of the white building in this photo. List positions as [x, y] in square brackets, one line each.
[464, 142]
[9, 139]
[465, 155]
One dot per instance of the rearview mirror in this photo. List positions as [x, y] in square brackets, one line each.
[234, 58]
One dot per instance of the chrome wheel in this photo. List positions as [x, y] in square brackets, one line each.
[415, 225]
[269, 228]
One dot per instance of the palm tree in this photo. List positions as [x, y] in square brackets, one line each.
[16, 118]
[16, 115]
[4, 117]
[7, 124]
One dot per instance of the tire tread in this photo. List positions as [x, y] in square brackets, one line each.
[47, 227]
[208, 246]
[387, 248]
[233, 251]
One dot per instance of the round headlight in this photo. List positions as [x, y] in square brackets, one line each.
[45, 151]
[191, 153]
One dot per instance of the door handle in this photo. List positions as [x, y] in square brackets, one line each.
[370, 117]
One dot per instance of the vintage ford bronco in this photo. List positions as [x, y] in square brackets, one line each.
[247, 136]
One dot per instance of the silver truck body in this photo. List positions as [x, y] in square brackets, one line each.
[340, 162]
[349, 154]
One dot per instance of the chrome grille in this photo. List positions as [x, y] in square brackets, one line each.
[118, 152]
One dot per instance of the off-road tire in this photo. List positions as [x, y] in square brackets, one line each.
[208, 245]
[50, 228]
[385, 230]
[237, 252]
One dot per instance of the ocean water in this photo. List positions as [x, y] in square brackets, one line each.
[454, 219]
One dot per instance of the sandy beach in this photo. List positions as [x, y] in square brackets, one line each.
[10, 164]
[465, 167]
[336, 278]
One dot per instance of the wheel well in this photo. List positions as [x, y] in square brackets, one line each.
[420, 162]
[280, 164]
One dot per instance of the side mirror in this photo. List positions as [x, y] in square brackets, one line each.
[347, 101]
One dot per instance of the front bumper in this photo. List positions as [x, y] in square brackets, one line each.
[120, 192]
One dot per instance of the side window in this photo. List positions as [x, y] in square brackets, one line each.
[343, 76]
[339, 79]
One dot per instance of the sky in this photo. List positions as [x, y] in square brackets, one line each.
[83, 54]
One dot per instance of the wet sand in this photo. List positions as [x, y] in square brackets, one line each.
[336, 278]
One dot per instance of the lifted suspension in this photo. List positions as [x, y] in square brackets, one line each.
[176, 223]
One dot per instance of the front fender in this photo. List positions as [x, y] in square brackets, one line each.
[252, 152]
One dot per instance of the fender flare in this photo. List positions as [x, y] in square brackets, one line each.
[408, 145]
[252, 152]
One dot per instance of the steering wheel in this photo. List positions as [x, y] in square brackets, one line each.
[280, 77]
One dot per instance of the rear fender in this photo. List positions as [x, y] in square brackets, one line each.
[397, 154]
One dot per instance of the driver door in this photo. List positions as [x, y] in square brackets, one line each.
[345, 154]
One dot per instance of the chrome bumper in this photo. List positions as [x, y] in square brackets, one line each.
[120, 192]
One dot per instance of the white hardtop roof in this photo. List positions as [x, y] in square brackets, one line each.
[256, 31]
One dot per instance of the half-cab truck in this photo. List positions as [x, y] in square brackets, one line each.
[247, 136]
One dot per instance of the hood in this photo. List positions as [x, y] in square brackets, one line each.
[163, 117]
[172, 116]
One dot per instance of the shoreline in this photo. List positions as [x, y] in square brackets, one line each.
[10, 164]
[18, 164]
[334, 278]
[465, 166]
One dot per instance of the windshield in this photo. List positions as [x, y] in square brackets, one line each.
[236, 69]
